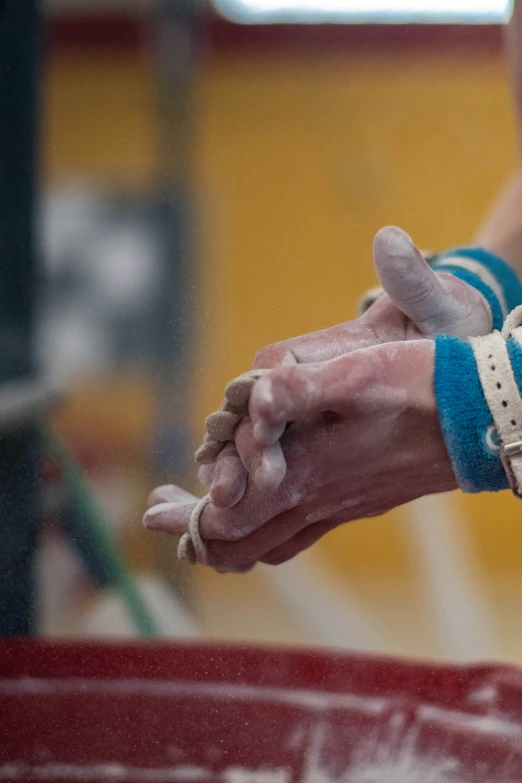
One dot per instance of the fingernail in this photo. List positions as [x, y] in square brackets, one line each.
[267, 434]
[150, 520]
[206, 475]
[264, 392]
[396, 241]
[271, 400]
[260, 432]
[217, 491]
[272, 468]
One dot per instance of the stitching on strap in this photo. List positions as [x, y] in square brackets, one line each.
[503, 399]
[511, 324]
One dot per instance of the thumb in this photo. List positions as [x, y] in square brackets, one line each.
[436, 303]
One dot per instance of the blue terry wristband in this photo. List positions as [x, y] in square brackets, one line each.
[486, 272]
[466, 422]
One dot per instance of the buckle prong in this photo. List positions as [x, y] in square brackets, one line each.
[508, 452]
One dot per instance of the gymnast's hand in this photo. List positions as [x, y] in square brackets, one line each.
[418, 303]
[365, 438]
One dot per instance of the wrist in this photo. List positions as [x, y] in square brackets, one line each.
[485, 271]
[429, 459]
[477, 387]
[465, 420]
[479, 268]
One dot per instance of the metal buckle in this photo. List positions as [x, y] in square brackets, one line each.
[507, 453]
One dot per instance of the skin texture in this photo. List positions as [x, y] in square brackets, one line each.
[364, 453]
[501, 232]
[365, 439]
[418, 304]
[357, 409]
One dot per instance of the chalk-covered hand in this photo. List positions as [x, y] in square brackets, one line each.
[365, 439]
[418, 303]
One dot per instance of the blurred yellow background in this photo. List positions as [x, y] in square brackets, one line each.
[300, 156]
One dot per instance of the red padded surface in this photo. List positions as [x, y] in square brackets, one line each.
[203, 713]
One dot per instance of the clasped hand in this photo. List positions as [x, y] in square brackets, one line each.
[343, 426]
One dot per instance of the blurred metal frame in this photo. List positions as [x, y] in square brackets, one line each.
[176, 27]
[19, 61]
[176, 32]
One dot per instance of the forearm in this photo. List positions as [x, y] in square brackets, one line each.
[501, 232]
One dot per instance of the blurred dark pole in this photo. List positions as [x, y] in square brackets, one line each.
[176, 46]
[19, 49]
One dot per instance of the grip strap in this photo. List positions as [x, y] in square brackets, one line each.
[502, 394]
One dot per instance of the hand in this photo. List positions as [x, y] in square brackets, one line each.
[419, 303]
[365, 439]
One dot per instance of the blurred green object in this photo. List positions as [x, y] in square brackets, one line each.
[86, 503]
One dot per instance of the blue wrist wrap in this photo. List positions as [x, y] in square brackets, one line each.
[465, 419]
[489, 274]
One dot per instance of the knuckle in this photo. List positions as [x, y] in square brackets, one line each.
[287, 496]
[225, 495]
[246, 446]
[264, 358]
[234, 530]
[228, 528]
[275, 355]
[420, 294]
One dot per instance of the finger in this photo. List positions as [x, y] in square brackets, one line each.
[220, 427]
[275, 533]
[279, 540]
[381, 377]
[206, 475]
[268, 433]
[255, 509]
[314, 347]
[172, 516]
[436, 303]
[276, 355]
[241, 545]
[266, 464]
[237, 392]
[317, 346]
[168, 493]
[229, 478]
[208, 451]
[221, 424]
[304, 539]
[292, 393]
